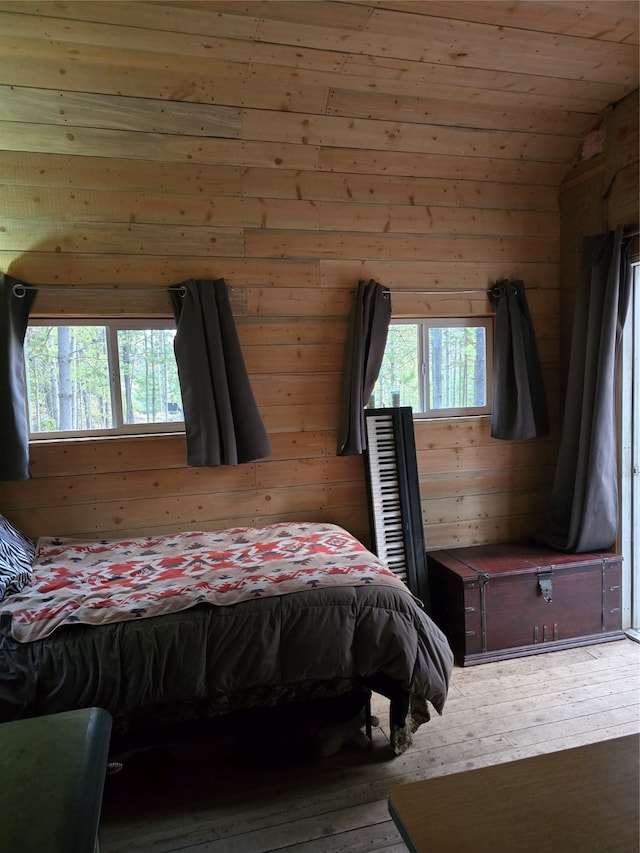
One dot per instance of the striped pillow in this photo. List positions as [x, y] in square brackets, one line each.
[16, 559]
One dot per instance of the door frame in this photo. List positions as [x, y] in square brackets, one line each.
[629, 410]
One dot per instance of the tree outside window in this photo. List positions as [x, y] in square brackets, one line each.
[100, 379]
[441, 368]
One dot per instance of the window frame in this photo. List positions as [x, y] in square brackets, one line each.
[112, 326]
[425, 325]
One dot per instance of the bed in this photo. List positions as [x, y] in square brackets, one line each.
[194, 625]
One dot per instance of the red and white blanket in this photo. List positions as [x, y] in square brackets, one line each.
[117, 580]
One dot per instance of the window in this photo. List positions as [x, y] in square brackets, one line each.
[440, 368]
[101, 378]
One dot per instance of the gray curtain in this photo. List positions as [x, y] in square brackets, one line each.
[367, 338]
[14, 428]
[519, 401]
[222, 422]
[583, 513]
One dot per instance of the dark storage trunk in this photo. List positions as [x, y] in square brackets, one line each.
[512, 599]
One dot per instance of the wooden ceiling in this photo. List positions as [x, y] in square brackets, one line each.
[515, 80]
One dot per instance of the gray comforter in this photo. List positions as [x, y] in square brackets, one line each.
[375, 636]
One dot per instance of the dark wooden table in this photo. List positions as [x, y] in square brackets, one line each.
[52, 779]
[582, 800]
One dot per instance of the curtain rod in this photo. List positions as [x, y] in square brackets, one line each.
[441, 292]
[20, 289]
[484, 290]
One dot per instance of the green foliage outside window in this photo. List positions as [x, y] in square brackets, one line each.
[457, 368]
[67, 378]
[398, 383]
[436, 367]
[100, 378]
[150, 388]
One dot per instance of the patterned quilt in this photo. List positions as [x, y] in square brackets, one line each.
[112, 581]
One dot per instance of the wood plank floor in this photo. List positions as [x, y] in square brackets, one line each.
[199, 797]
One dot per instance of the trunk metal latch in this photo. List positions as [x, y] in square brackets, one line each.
[546, 588]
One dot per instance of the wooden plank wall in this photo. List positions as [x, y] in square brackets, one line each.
[114, 176]
[601, 192]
